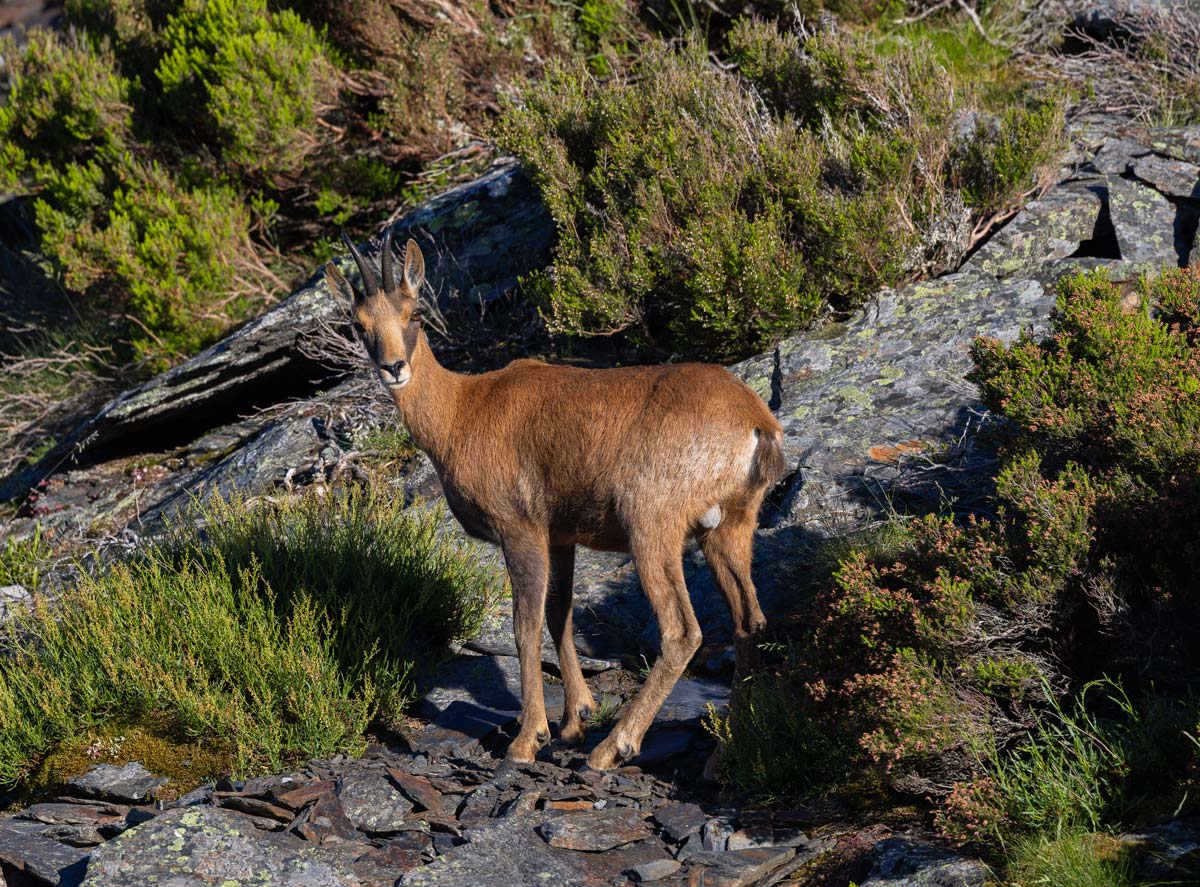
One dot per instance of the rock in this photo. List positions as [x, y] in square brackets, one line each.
[1179, 142]
[128, 783]
[1176, 178]
[42, 860]
[257, 807]
[1051, 227]
[510, 852]
[907, 862]
[655, 870]
[595, 830]
[680, 821]
[478, 239]
[471, 697]
[715, 834]
[203, 846]
[739, 868]
[13, 599]
[295, 798]
[1144, 221]
[1167, 853]
[373, 803]
[74, 814]
[419, 790]
[1116, 156]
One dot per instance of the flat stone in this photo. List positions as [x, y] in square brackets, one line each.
[1117, 155]
[679, 821]
[510, 852]
[373, 803]
[419, 790]
[1167, 853]
[655, 869]
[296, 798]
[13, 599]
[1179, 142]
[205, 846]
[128, 783]
[1144, 221]
[907, 862]
[381, 865]
[257, 807]
[595, 830]
[44, 860]
[1051, 227]
[1176, 178]
[472, 697]
[739, 868]
[74, 814]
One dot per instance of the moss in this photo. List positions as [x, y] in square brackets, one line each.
[159, 746]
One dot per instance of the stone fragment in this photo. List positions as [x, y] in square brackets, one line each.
[325, 819]
[1116, 156]
[907, 862]
[381, 865]
[569, 805]
[296, 798]
[655, 869]
[127, 783]
[13, 599]
[43, 860]
[739, 868]
[595, 830]
[204, 846]
[74, 814]
[257, 807]
[1144, 221]
[679, 821]
[373, 803]
[1176, 178]
[510, 853]
[716, 833]
[419, 790]
[74, 835]
[1179, 142]
[1051, 227]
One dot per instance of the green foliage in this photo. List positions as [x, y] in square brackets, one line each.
[412, 594]
[279, 632]
[1081, 860]
[258, 77]
[928, 659]
[711, 225]
[21, 560]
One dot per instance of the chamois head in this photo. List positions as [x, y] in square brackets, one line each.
[387, 317]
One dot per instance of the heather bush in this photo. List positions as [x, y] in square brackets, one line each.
[929, 661]
[708, 221]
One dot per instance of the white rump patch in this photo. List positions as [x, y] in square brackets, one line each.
[711, 518]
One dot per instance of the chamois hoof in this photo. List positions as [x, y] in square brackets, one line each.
[609, 754]
[525, 747]
[571, 735]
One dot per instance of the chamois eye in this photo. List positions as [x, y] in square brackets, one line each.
[416, 317]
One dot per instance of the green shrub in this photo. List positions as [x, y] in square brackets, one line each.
[711, 225]
[927, 660]
[279, 631]
[383, 572]
[257, 77]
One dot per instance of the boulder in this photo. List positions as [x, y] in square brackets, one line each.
[202, 846]
[128, 783]
[1145, 223]
[909, 862]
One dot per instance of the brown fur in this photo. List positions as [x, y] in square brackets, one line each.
[539, 458]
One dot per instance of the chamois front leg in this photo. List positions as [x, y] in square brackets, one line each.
[527, 559]
[660, 569]
[578, 704]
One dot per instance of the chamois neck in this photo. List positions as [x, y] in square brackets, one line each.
[429, 403]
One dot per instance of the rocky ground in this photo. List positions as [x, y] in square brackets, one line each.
[876, 414]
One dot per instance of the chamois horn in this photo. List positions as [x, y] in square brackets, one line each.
[389, 276]
[370, 282]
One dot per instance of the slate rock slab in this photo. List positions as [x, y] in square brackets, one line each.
[373, 803]
[595, 830]
[473, 696]
[1144, 221]
[680, 821]
[655, 870]
[206, 846]
[1051, 227]
[128, 783]
[13, 599]
[1117, 155]
[1176, 178]
[907, 862]
[510, 852]
[739, 868]
[45, 861]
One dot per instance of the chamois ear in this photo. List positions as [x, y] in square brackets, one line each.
[339, 283]
[414, 267]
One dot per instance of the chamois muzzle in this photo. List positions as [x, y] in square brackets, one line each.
[395, 374]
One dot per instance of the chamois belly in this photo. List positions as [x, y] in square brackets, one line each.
[474, 520]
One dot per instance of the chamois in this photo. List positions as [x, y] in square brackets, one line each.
[538, 458]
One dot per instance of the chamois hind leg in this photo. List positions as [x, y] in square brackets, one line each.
[527, 559]
[660, 567]
[728, 549]
[578, 704]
